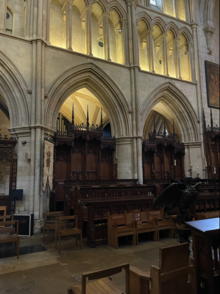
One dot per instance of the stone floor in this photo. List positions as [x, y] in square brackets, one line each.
[49, 272]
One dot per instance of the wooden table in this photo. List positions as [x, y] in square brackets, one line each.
[205, 238]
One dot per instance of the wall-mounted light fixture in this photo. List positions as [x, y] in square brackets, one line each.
[23, 142]
[160, 61]
[119, 31]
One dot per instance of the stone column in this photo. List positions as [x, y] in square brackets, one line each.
[48, 22]
[132, 80]
[124, 158]
[166, 66]
[176, 9]
[28, 19]
[177, 58]
[134, 33]
[69, 12]
[88, 32]
[192, 69]
[106, 36]
[3, 11]
[148, 3]
[124, 41]
[152, 52]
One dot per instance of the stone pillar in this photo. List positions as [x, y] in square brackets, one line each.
[3, 11]
[132, 80]
[134, 33]
[124, 41]
[88, 32]
[166, 66]
[177, 59]
[124, 158]
[69, 12]
[152, 53]
[192, 69]
[35, 8]
[148, 3]
[106, 36]
[28, 19]
[48, 21]
[176, 9]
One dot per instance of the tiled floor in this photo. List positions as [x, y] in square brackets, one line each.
[49, 272]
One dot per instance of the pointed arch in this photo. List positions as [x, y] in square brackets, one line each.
[184, 31]
[173, 28]
[100, 84]
[102, 3]
[14, 90]
[118, 7]
[145, 17]
[160, 23]
[178, 105]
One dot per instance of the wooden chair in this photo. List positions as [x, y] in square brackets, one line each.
[162, 223]
[103, 286]
[120, 225]
[49, 223]
[68, 232]
[3, 208]
[175, 275]
[12, 236]
[4, 218]
[144, 225]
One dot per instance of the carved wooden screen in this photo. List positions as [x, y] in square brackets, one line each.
[163, 157]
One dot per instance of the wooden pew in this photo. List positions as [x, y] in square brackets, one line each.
[103, 286]
[175, 275]
[98, 208]
[208, 215]
[145, 224]
[120, 225]
[9, 227]
[162, 223]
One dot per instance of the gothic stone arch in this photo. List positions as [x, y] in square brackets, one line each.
[99, 83]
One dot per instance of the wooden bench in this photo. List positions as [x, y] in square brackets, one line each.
[162, 223]
[8, 233]
[143, 224]
[49, 224]
[4, 218]
[68, 232]
[104, 284]
[208, 215]
[120, 225]
[175, 275]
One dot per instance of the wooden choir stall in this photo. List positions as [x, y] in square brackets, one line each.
[8, 170]
[212, 149]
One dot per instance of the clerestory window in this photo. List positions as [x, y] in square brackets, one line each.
[9, 21]
[154, 2]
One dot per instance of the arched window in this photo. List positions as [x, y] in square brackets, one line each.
[115, 37]
[171, 54]
[9, 22]
[158, 50]
[154, 2]
[184, 59]
[143, 38]
[97, 31]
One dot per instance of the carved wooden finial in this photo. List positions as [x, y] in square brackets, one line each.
[164, 127]
[154, 126]
[101, 119]
[87, 117]
[73, 114]
[211, 118]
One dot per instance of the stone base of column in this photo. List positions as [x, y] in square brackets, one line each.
[38, 224]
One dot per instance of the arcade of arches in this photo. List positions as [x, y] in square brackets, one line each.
[125, 73]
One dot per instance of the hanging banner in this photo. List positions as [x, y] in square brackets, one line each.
[48, 164]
